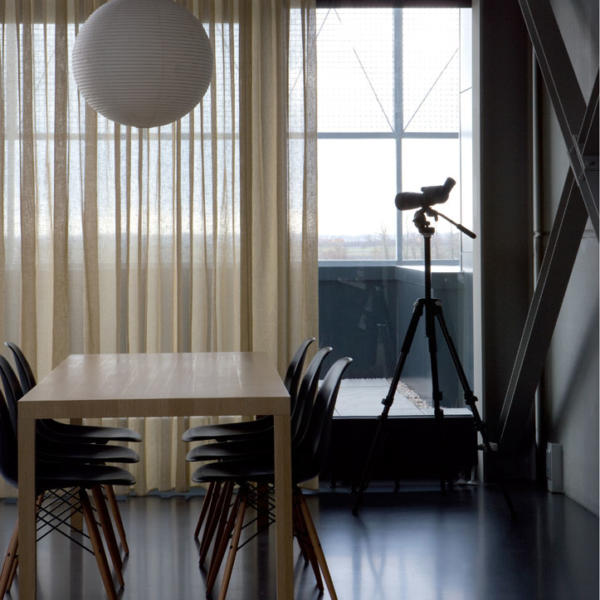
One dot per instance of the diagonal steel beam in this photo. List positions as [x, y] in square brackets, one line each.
[586, 172]
[563, 245]
[564, 91]
[555, 272]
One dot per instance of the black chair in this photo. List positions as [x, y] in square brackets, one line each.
[52, 446]
[308, 453]
[225, 431]
[97, 434]
[260, 443]
[61, 489]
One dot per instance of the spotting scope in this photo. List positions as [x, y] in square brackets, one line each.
[429, 196]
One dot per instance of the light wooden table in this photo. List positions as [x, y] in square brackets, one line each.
[151, 385]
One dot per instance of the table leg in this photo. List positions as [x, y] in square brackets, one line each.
[283, 507]
[77, 516]
[27, 549]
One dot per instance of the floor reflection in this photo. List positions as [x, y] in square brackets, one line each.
[417, 544]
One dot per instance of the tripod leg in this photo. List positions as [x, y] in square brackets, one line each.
[439, 314]
[388, 400]
[470, 400]
[436, 392]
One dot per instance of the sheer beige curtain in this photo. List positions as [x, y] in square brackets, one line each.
[196, 236]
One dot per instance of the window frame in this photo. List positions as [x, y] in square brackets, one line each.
[398, 134]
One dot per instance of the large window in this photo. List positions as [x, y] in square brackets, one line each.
[388, 110]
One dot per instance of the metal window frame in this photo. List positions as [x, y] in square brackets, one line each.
[398, 134]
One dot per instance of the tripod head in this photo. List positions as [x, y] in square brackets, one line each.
[425, 229]
[421, 222]
[424, 226]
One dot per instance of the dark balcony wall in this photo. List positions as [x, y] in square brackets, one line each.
[364, 312]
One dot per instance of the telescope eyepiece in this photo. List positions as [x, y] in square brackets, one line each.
[439, 190]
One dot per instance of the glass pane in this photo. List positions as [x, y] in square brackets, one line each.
[430, 64]
[357, 186]
[355, 49]
[428, 162]
[466, 174]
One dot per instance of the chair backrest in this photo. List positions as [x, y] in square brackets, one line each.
[306, 394]
[8, 446]
[26, 376]
[13, 393]
[12, 390]
[294, 370]
[308, 456]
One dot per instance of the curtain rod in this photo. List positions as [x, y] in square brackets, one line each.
[394, 3]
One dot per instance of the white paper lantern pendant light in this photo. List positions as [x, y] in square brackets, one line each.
[142, 63]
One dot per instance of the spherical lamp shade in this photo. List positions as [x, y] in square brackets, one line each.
[142, 62]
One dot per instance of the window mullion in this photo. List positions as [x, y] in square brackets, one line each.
[398, 121]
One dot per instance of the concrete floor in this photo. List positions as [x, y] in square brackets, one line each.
[362, 398]
[417, 544]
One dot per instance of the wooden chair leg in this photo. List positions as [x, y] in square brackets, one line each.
[13, 570]
[219, 552]
[116, 513]
[235, 540]
[223, 517]
[97, 545]
[205, 504]
[9, 563]
[211, 503]
[11, 560]
[301, 532]
[109, 534]
[316, 544]
[214, 516]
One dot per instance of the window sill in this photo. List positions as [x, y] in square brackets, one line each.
[442, 276]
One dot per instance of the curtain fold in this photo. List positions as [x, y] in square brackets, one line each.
[278, 135]
[196, 236]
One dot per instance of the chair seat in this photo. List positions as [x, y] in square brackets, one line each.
[94, 433]
[258, 470]
[256, 446]
[239, 470]
[87, 453]
[225, 431]
[54, 476]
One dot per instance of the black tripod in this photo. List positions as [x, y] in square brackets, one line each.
[433, 314]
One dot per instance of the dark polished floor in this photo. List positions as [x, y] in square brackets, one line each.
[414, 545]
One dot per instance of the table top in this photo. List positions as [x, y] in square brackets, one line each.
[177, 384]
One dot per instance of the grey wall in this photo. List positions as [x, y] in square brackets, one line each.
[570, 398]
[502, 270]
